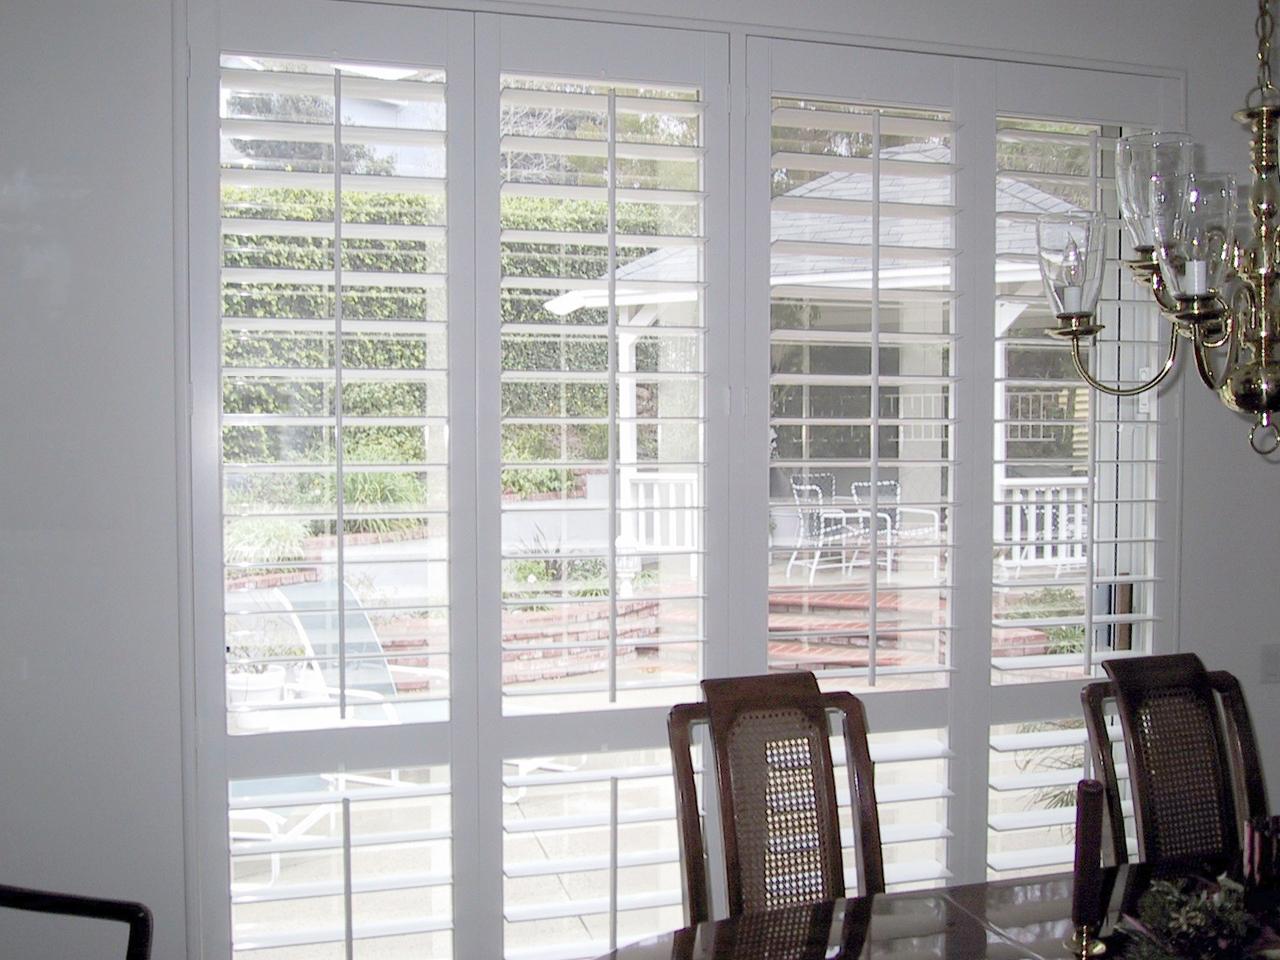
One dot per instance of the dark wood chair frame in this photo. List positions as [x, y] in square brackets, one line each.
[135, 915]
[1243, 791]
[726, 699]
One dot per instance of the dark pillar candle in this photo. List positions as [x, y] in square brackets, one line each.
[1087, 888]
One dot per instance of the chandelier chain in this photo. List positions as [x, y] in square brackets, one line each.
[1264, 26]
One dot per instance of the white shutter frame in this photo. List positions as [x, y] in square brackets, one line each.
[333, 30]
[1089, 96]
[863, 74]
[610, 53]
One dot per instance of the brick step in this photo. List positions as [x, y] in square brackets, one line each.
[817, 655]
[854, 600]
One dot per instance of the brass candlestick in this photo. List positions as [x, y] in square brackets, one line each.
[1084, 942]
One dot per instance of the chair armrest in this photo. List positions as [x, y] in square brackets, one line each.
[697, 897]
[925, 512]
[136, 915]
[853, 722]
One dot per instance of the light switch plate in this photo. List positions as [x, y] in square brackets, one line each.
[1269, 663]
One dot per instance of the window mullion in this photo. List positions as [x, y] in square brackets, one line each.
[474, 494]
[876, 546]
[611, 565]
[338, 459]
[970, 656]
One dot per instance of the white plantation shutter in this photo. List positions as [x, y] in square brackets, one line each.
[1075, 477]
[603, 382]
[319, 860]
[609, 298]
[1073, 536]
[862, 254]
[327, 390]
[334, 373]
[863, 281]
[591, 845]
[1075, 525]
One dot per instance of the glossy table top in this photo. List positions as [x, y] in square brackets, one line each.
[1008, 919]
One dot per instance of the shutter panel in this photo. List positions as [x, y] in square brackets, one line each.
[603, 381]
[861, 348]
[317, 859]
[1075, 483]
[591, 853]
[334, 408]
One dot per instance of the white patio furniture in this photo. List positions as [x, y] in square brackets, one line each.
[899, 525]
[827, 533]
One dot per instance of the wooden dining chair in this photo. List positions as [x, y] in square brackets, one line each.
[779, 822]
[1194, 770]
[135, 915]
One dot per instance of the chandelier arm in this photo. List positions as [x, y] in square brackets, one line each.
[1201, 348]
[1125, 391]
[1228, 328]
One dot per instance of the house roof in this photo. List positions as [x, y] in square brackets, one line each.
[1016, 237]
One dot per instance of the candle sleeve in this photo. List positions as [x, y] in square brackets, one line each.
[1087, 886]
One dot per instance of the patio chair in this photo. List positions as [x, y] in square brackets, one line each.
[898, 524]
[135, 915]
[1195, 779]
[824, 530]
[775, 778]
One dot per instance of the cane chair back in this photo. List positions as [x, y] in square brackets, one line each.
[1193, 778]
[775, 780]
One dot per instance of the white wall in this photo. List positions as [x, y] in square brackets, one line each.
[91, 795]
[1230, 533]
[90, 761]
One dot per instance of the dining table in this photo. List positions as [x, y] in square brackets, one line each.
[1010, 919]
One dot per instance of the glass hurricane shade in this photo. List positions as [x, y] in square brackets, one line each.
[1139, 158]
[1193, 216]
[1070, 247]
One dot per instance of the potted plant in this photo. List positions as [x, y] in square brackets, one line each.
[252, 676]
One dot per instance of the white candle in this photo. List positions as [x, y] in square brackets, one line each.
[1196, 281]
[1071, 299]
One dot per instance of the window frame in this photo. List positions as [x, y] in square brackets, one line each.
[477, 48]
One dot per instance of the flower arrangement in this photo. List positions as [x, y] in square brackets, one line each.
[1190, 920]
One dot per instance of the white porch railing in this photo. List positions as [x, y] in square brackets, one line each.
[660, 514]
[660, 511]
[1039, 415]
[1043, 521]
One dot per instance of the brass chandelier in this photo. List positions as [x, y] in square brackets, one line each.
[1219, 292]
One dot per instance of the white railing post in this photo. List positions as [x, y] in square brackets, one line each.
[1044, 521]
